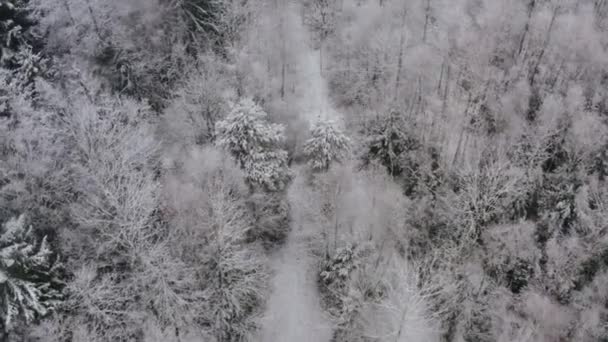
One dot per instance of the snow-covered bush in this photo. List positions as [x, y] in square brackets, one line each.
[338, 268]
[271, 219]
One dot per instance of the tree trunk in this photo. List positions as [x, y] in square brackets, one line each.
[95, 25]
[69, 12]
[336, 221]
[462, 132]
[283, 47]
[400, 59]
[321, 59]
[426, 20]
[545, 45]
[444, 105]
[282, 91]
[531, 6]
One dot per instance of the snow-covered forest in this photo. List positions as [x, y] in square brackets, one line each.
[303, 170]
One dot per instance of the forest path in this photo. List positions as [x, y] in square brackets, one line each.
[311, 96]
[293, 312]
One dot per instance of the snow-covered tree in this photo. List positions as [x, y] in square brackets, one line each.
[235, 271]
[255, 144]
[486, 195]
[327, 144]
[16, 32]
[29, 284]
[320, 16]
[404, 312]
[106, 146]
[200, 16]
[211, 227]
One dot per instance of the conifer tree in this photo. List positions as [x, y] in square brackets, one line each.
[327, 144]
[255, 144]
[29, 283]
[16, 34]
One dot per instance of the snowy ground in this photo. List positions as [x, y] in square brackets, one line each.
[293, 312]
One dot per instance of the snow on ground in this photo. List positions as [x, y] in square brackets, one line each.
[293, 311]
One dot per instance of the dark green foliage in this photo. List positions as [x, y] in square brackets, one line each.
[557, 197]
[535, 102]
[20, 49]
[391, 143]
[600, 162]
[485, 120]
[519, 276]
[16, 32]
[590, 268]
[271, 222]
[394, 145]
[556, 152]
[333, 279]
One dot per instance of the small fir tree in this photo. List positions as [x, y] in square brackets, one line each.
[327, 144]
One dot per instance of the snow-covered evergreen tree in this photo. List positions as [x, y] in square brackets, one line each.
[29, 286]
[255, 144]
[327, 144]
[16, 32]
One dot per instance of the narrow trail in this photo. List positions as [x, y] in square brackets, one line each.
[293, 312]
[312, 93]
